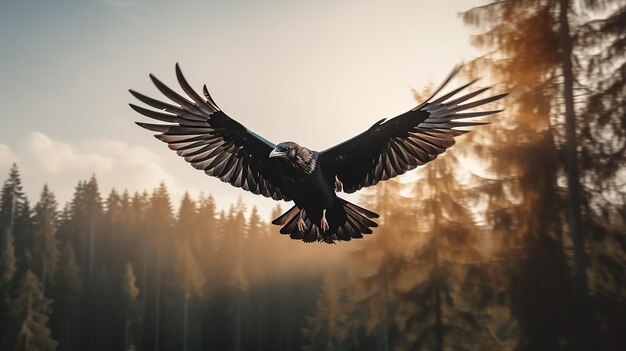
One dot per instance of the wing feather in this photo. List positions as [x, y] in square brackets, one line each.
[210, 140]
[393, 147]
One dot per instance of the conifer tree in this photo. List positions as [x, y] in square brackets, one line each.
[522, 158]
[328, 329]
[7, 264]
[15, 216]
[374, 297]
[85, 215]
[45, 249]
[67, 293]
[130, 306]
[7, 274]
[30, 312]
[93, 211]
[255, 246]
[206, 250]
[11, 199]
[601, 42]
[159, 222]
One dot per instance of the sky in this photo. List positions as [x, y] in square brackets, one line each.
[314, 72]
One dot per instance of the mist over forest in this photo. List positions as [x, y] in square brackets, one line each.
[514, 239]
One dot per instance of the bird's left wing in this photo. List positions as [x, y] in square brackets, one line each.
[211, 141]
[388, 149]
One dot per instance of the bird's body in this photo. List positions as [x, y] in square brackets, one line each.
[220, 146]
[309, 191]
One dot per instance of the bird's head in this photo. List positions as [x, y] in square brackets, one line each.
[295, 154]
[287, 151]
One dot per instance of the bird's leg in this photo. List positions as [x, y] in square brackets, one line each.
[301, 223]
[324, 225]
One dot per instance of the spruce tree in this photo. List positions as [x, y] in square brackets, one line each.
[15, 216]
[328, 329]
[7, 274]
[130, 306]
[601, 42]
[67, 293]
[30, 312]
[7, 264]
[11, 199]
[522, 158]
[45, 251]
[159, 224]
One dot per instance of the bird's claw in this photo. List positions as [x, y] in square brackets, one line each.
[324, 224]
[301, 225]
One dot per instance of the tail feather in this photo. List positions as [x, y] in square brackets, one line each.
[360, 210]
[347, 221]
[360, 219]
[290, 225]
[285, 217]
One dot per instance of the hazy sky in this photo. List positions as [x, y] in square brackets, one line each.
[315, 72]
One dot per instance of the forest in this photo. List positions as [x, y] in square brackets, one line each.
[515, 239]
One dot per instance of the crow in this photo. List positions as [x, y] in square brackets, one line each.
[200, 132]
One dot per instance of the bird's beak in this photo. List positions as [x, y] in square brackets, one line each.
[276, 153]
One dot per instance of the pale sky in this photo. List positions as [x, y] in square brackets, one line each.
[315, 72]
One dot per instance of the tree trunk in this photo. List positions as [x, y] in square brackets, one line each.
[238, 323]
[259, 334]
[385, 311]
[92, 239]
[126, 333]
[581, 302]
[158, 301]
[43, 279]
[438, 309]
[185, 321]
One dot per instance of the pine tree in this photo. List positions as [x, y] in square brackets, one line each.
[374, 300]
[81, 227]
[7, 273]
[45, 251]
[254, 247]
[601, 42]
[11, 199]
[30, 312]
[328, 329]
[15, 217]
[130, 306]
[525, 208]
[93, 210]
[67, 292]
[7, 265]
[237, 282]
[159, 222]
[207, 227]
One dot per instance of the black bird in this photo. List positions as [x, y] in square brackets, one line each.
[220, 146]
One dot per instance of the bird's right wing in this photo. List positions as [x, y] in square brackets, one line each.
[390, 148]
[211, 141]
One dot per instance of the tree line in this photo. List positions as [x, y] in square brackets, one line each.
[127, 273]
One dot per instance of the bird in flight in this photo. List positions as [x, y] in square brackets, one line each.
[200, 132]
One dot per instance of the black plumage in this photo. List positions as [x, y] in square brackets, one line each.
[211, 141]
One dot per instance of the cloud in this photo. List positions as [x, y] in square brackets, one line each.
[116, 164]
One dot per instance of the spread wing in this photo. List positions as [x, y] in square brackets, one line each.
[390, 148]
[210, 140]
